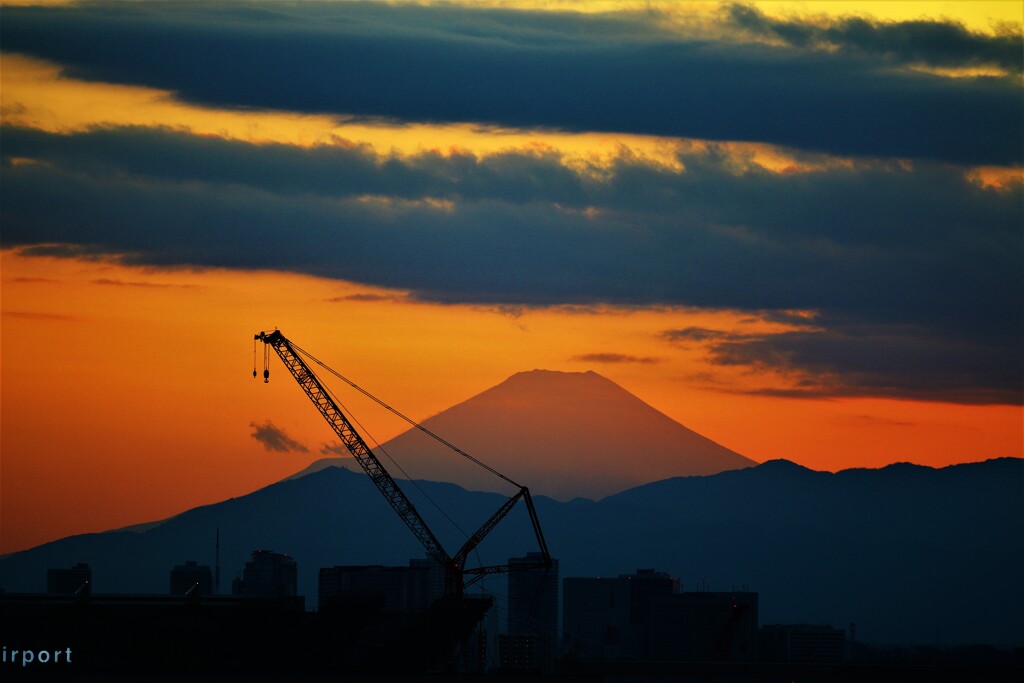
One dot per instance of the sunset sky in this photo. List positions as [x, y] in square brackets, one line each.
[794, 227]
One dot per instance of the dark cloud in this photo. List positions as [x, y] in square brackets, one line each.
[510, 311]
[614, 358]
[854, 358]
[926, 42]
[872, 420]
[132, 283]
[695, 334]
[797, 318]
[66, 250]
[335, 449]
[917, 255]
[847, 356]
[274, 438]
[366, 298]
[866, 205]
[919, 245]
[570, 71]
[162, 154]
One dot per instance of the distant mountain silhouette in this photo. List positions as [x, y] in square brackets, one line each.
[911, 554]
[564, 434]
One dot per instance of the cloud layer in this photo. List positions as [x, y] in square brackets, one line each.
[942, 44]
[576, 72]
[837, 357]
[896, 259]
[911, 268]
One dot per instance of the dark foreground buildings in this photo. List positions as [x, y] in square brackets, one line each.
[191, 577]
[69, 581]
[813, 643]
[644, 617]
[711, 627]
[627, 628]
[531, 641]
[400, 589]
[268, 574]
[263, 627]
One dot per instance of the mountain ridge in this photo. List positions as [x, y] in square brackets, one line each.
[892, 551]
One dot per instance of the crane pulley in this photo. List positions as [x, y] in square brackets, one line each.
[454, 565]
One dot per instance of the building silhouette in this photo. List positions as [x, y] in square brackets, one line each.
[596, 619]
[402, 589]
[191, 577]
[643, 616]
[703, 626]
[434, 575]
[531, 640]
[267, 574]
[609, 618]
[811, 643]
[493, 626]
[645, 587]
[69, 581]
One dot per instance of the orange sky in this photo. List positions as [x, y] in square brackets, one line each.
[129, 390]
[127, 393]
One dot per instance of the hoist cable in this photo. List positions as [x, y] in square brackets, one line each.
[380, 449]
[409, 420]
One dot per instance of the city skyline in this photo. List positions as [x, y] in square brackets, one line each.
[826, 548]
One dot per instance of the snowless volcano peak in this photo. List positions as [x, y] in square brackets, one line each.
[563, 434]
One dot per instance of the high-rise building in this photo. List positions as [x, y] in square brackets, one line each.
[268, 574]
[645, 586]
[431, 580]
[493, 625]
[403, 589]
[819, 644]
[609, 618]
[189, 576]
[703, 626]
[69, 581]
[596, 619]
[532, 637]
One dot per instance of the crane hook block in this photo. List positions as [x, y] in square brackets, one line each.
[254, 373]
[266, 376]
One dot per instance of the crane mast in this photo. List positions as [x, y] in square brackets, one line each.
[454, 566]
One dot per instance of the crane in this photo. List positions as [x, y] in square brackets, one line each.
[455, 570]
